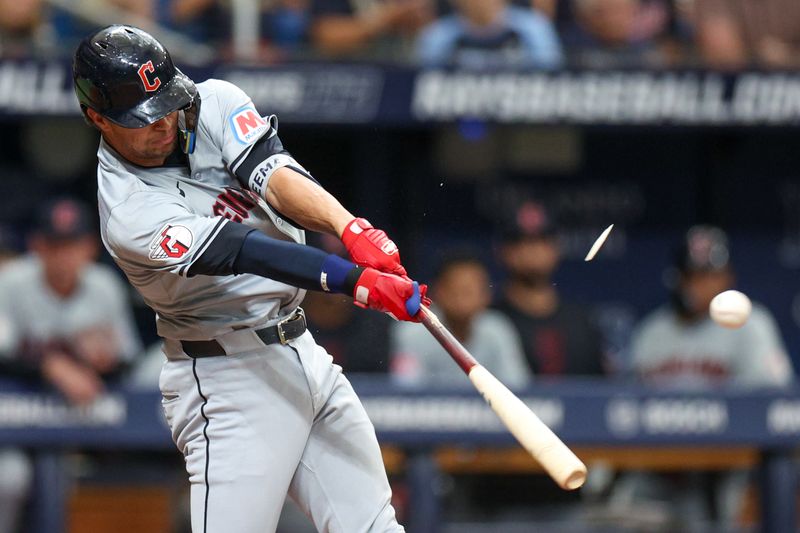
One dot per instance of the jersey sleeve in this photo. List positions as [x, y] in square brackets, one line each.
[155, 232]
[250, 144]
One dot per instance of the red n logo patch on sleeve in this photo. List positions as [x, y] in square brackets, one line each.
[248, 121]
[247, 124]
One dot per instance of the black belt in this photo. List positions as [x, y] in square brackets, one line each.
[287, 329]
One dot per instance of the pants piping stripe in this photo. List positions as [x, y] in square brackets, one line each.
[208, 443]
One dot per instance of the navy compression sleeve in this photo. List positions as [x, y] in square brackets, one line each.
[239, 249]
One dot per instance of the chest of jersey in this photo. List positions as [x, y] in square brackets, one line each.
[213, 192]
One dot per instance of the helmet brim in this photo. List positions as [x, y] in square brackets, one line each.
[176, 94]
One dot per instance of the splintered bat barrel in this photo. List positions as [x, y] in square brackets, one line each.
[538, 439]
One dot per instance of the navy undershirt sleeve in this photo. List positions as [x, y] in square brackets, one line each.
[218, 258]
[239, 249]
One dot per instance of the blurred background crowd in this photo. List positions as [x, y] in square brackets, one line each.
[725, 34]
[495, 217]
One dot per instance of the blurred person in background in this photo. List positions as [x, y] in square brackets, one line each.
[64, 321]
[375, 28]
[65, 318]
[286, 23]
[69, 23]
[559, 337]
[680, 346]
[20, 25]
[548, 8]
[461, 295]
[201, 20]
[736, 34]
[146, 9]
[616, 33]
[490, 34]
[283, 25]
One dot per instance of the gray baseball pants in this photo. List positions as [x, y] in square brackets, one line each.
[268, 421]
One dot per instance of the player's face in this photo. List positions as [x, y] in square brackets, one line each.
[532, 258]
[63, 261]
[148, 146]
[699, 288]
[463, 291]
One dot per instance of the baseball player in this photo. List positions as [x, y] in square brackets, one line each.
[203, 209]
[679, 345]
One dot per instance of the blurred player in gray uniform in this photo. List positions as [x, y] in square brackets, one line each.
[64, 321]
[203, 209]
[679, 345]
[462, 290]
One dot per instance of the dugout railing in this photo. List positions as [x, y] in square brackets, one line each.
[600, 419]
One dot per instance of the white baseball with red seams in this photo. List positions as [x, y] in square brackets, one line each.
[730, 309]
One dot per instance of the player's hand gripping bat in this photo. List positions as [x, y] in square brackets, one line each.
[554, 456]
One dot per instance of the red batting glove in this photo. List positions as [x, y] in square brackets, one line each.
[370, 247]
[399, 297]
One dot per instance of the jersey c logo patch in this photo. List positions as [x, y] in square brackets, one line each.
[149, 85]
[247, 124]
[171, 242]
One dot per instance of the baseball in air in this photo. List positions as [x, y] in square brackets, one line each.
[730, 309]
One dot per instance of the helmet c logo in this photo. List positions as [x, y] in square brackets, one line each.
[149, 86]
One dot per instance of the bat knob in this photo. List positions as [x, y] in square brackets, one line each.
[575, 480]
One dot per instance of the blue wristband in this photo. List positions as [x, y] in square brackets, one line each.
[334, 274]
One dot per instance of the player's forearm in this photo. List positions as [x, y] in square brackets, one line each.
[295, 264]
[305, 202]
[303, 266]
[238, 249]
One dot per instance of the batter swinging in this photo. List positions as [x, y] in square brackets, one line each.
[203, 210]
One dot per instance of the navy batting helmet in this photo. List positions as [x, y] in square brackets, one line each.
[127, 76]
[704, 249]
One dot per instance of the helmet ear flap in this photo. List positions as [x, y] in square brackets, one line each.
[187, 125]
[90, 95]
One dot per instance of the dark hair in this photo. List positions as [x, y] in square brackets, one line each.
[453, 257]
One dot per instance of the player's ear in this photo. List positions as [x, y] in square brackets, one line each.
[96, 119]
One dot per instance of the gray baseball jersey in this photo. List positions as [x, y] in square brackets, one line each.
[155, 222]
[31, 312]
[702, 355]
[668, 351]
[265, 420]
